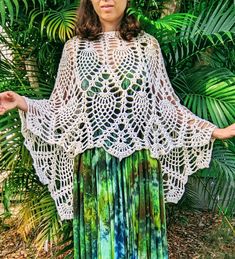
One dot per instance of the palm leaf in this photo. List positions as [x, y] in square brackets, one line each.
[209, 93]
[39, 216]
[10, 8]
[164, 27]
[221, 174]
[59, 23]
[213, 27]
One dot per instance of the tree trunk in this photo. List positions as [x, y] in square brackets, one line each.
[170, 7]
[32, 71]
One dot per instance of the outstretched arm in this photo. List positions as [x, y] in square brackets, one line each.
[170, 96]
[44, 125]
[10, 100]
[185, 141]
[225, 133]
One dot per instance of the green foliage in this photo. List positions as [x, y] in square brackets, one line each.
[163, 28]
[9, 9]
[150, 8]
[59, 23]
[208, 92]
[202, 72]
[221, 175]
[39, 218]
[212, 29]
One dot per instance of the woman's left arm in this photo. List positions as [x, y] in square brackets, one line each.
[183, 140]
[184, 117]
[224, 133]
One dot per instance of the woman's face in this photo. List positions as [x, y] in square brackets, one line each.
[110, 12]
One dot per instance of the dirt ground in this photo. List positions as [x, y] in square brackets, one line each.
[200, 235]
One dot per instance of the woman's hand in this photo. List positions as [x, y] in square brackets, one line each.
[10, 100]
[225, 133]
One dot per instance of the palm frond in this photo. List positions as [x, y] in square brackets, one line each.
[213, 27]
[57, 23]
[9, 9]
[209, 93]
[219, 179]
[165, 27]
[38, 215]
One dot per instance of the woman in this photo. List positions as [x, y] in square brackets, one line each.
[111, 118]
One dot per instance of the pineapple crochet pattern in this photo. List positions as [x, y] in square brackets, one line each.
[113, 94]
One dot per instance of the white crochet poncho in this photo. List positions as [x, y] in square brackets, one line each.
[113, 94]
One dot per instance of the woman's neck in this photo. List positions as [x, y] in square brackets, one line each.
[110, 26]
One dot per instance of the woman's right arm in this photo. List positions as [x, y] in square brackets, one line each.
[10, 100]
[64, 82]
[51, 119]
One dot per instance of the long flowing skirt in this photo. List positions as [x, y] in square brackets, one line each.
[119, 209]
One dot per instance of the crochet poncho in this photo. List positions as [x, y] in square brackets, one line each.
[113, 94]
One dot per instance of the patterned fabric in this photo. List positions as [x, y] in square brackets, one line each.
[119, 207]
[113, 94]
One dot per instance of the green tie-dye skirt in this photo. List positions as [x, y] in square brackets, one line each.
[119, 209]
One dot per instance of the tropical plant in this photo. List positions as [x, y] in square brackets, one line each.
[199, 52]
[29, 69]
[203, 76]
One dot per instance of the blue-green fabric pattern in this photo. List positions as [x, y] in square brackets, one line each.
[119, 209]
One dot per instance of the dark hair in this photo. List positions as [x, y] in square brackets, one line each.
[88, 25]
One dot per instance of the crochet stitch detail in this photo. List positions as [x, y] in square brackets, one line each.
[113, 94]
